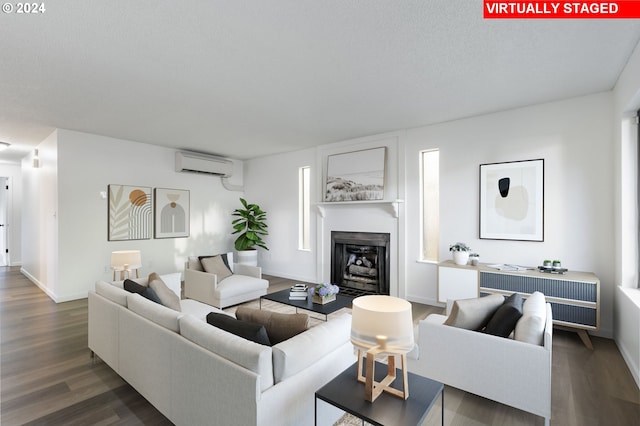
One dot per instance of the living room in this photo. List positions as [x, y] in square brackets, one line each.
[59, 210]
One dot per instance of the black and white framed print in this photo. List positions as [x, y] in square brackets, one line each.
[512, 200]
[356, 176]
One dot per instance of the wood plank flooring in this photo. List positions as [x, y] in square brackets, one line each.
[47, 377]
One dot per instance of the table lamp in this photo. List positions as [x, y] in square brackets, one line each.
[124, 261]
[382, 326]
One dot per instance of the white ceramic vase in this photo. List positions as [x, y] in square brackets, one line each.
[248, 257]
[460, 257]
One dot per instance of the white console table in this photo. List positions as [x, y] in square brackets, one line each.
[574, 296]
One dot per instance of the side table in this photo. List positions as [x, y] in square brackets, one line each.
[347, 394]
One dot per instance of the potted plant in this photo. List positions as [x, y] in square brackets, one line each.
[251, 225]
[460, 253]
[323, 293]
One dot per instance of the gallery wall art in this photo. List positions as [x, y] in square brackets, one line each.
[512, 200]
[129, 213]
[356, 176]
[171, 213]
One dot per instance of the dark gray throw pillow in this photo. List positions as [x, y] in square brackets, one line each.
[247, 330]
[503, 322]
[144, 291]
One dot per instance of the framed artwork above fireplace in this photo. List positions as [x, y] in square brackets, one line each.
[356, 176]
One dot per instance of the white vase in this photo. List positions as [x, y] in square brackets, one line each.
[460, 257]
[248, 257]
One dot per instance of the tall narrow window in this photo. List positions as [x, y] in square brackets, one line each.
[430, 183]
[304, 209]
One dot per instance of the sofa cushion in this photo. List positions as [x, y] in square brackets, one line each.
[159, 314]
[111, 292]
[144, 291]
[167, 297]
[280, 327]
[246, 329]
[530, 328]
[238, 284]
[197, 309]
[303, 350]
[503, 322]
[215, 265]
[474, 314]
[248, 354]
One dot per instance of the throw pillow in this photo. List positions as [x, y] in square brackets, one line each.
[247, 330]
[530, 328]
[503, 322]
[215, 265]
[224, 257]
[144, 291]
[473, 314]
[280, 327]
[167, 297]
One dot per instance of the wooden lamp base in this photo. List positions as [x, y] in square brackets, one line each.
[373, 389]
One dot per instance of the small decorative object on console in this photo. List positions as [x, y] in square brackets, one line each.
[460, 253]
[323, 293]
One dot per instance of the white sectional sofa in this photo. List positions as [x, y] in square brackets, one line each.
[197, 374]
[512, 372]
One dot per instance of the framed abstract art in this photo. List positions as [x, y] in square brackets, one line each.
[512, 200]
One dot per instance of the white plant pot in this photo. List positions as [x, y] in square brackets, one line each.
[248, 257]
[460, 257]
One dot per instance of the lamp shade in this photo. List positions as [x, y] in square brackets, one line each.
[379, 317]
[131, 258]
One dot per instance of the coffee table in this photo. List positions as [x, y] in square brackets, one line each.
[347, 393]
[282, 296]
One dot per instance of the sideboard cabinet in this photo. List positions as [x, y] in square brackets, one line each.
[574, 296]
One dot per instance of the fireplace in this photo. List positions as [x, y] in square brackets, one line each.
[360, 262]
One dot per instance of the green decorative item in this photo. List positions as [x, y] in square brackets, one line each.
[251, 225]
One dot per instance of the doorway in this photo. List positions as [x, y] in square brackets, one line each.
[4, 208]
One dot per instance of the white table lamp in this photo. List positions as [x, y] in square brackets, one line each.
[382, 325]
[124, 261]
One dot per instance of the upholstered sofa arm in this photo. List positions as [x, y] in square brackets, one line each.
[199, 285]
[248, 270]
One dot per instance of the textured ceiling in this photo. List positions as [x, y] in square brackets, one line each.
[250, 78]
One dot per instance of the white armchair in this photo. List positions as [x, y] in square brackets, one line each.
[245, 284]
[508, 371]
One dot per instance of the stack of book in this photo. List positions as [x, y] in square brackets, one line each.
[298, 292]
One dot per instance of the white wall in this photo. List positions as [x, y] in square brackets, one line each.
[272, 183]
[76, 215]
[14, 220]
[627, 302]
[574, 137]
[39, 217]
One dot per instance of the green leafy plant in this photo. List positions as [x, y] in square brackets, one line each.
[459, 247]
[251, 225]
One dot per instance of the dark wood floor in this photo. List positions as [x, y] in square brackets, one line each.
[47, 378]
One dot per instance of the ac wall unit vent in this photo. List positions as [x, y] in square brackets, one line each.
[193, 162]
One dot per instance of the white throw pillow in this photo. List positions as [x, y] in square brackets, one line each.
[530, 328]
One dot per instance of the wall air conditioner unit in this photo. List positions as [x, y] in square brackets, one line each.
[193, 162]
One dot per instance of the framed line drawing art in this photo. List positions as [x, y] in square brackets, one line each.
[356, 176]
[512, 200]
[129, 213]
[171, 213]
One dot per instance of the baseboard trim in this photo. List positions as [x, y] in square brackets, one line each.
[631, 363]
[50, 293]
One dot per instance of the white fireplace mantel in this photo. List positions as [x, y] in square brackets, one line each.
[391, 206]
